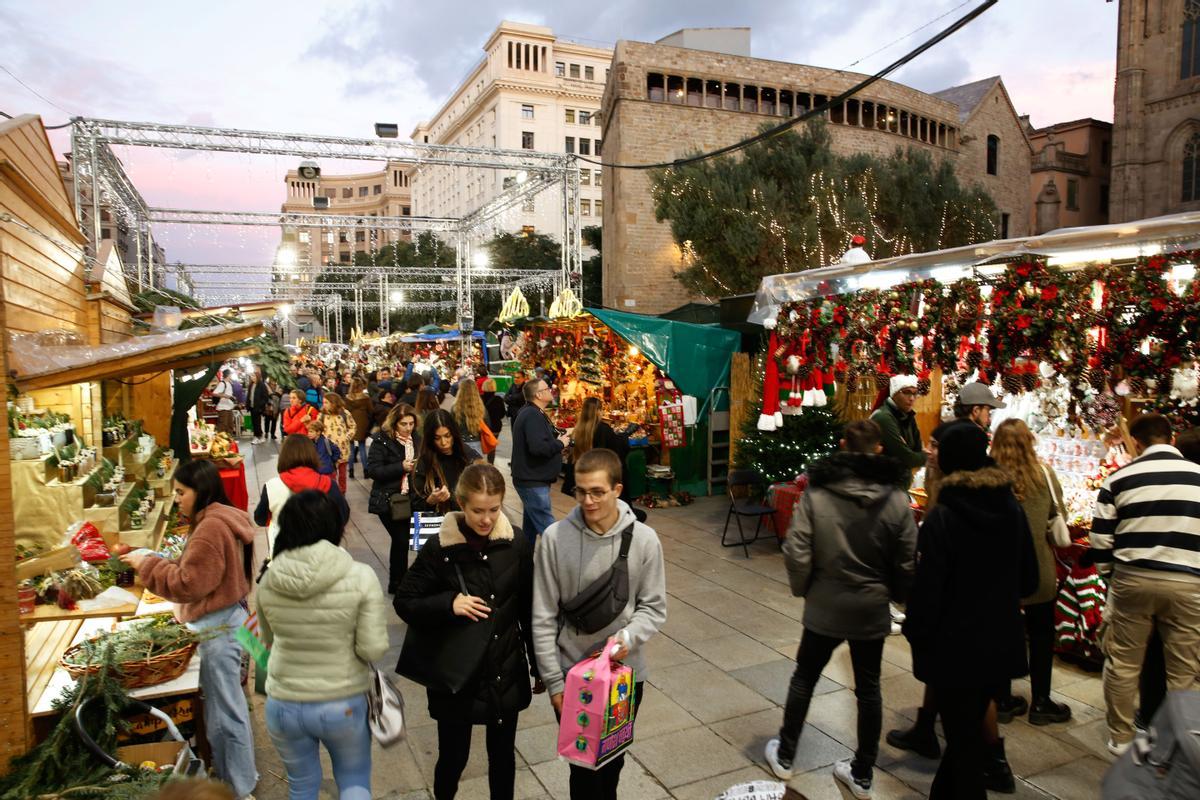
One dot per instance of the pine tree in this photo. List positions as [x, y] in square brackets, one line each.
[783, 454]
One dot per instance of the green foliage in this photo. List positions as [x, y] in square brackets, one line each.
[789, 203]
[593, 268]
[783, 454]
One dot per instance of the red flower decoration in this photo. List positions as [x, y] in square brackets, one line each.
[1024, 269]
[1024, 321]
[1158, 304]
[1050, 292]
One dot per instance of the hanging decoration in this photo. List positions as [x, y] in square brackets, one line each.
[515, 307]
[566, 305]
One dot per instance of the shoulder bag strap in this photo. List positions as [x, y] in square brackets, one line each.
[462, 582]
[626, 541]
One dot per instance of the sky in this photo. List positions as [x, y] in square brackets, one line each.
[337, 68]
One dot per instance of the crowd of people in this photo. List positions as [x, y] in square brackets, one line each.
[976, 579]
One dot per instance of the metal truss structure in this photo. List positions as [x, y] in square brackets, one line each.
[101, 181]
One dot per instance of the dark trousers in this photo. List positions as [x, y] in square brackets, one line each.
[358, 453]
[866, 656]
[454, 750]
[1039, 625]
[601, 784]
[1152, 683]
[256, 423]
[960, 775]
[270, 425]
[398, 530]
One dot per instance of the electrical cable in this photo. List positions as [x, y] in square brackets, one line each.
[34, 91]
[821, 109]
[68, 124]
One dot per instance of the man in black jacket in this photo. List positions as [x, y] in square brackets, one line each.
[850, 549]
[536, 458]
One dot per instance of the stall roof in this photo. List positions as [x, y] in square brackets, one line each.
[248, 311]
[1066, 247]
[36, 366]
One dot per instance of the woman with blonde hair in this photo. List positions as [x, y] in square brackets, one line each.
[590, 432]
[469, 413]
[340, 429]
[1037, 488]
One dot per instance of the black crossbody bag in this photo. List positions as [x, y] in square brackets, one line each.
[603, 600]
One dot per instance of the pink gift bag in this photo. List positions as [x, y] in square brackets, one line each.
[597, 710]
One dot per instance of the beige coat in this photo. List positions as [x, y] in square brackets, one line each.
[340, 429]
[1037, 510]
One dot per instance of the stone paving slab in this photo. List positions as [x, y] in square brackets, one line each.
[717, 676]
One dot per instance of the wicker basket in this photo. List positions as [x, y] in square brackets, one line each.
[137, 674]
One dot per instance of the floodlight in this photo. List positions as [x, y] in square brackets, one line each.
[309, 170]
[387, 130]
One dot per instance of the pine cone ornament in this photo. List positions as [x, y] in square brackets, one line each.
[1011, 383]
[1137, 387]
[1095, 376]
[851, 381]
[882, 380]
[923, 386]
[974, 359]
[1166, 382]
[1029, 381]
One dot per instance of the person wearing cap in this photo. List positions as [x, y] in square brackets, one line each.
[974, 405]
[898, 421]
[966, 634]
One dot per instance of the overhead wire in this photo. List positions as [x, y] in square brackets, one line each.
[34, 91]
[817, 110]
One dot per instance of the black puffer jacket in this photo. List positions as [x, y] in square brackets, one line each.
[385, 464]
[975, 562]
[503, 576]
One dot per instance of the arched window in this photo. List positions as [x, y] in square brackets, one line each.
[1191, 169]
[1189, 51]
[993, 153]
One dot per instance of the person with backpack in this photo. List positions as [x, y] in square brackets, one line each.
[327, 452]
[298, 467]
[850, 550]
[493, 404]
[340, 429]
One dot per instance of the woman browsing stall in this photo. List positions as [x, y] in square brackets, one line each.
[208, 584]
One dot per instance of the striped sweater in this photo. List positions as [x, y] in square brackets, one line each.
[1148, 514]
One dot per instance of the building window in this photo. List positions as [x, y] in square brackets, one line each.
[585, 147]
[1072, 195]
[1105, 151]
[526, 140]
[570, 144]
[993, 153]
[305, 238]
[342, 237]
[1191, 169]
[574, 70]
[406, 211]
[585, 208]
[526, 112]
[597, 174]
[360, 236]
[105, 233]
[1004, 226]
[1104, 199]
[347, 193]
[585, 177]
[589, 73]
[598, 146]
[585, 117]
[1189, 62]
[377, 189]
[560, 69]
[331, 193]
[570, 115]
[363, 191]
[655, 85]
[599, 208]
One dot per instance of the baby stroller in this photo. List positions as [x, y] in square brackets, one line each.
[186, 763]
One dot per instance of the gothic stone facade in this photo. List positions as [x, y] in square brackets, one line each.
[663, 102]
[1156, 129]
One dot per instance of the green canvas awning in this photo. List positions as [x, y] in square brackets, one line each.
[696, 357]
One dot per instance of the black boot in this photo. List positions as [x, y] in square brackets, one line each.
[920, 738]
[1009, 707]
[1045, 711]
[996, 772]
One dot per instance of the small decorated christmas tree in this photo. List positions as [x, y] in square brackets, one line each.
[782, 454]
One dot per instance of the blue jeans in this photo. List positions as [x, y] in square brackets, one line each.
[298, 730]
[358, 453]
[226, 714]
[537, 515]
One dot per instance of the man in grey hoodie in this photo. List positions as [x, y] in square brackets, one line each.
[850, 549]
[572, 554]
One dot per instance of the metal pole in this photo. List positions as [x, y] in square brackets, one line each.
[95, 237]
[382, 308]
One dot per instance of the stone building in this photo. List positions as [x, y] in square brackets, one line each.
[531, 91]
[383, 193]
[663, 102]
[1156, 120]
[1069, 186]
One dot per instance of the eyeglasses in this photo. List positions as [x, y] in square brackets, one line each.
[909, 392]
[595, 495]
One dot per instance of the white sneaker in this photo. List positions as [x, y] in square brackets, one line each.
[897, 614]
[896, 629]
[772, 754]
[1118, 750]
[254, 441]
[858, 787]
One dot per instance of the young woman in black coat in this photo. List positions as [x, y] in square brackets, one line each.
[591, 431]
[441, 459]
[975, 561]
[496, 565]
[494, 405]
[390, 463]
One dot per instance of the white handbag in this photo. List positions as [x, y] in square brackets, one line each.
[1056, 528]
[385, 710]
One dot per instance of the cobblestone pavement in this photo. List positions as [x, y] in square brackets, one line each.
[718, 675]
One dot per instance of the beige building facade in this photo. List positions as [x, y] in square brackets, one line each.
[1069, 186]
[1156, 115]
[384, 193]
[531, 91]
[663, 102]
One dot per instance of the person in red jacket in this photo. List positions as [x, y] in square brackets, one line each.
[297, 415]
[208, 583]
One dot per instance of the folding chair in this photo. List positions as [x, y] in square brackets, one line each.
[752, 505]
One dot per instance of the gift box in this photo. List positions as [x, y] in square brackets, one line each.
[783, 498]
[597, 712]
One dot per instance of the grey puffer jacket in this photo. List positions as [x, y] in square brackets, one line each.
[850, 548]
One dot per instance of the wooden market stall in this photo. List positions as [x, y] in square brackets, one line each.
[71, 362]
